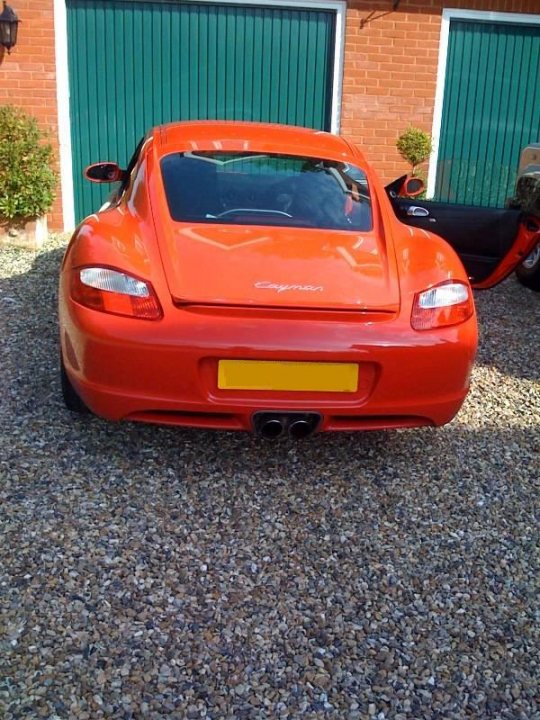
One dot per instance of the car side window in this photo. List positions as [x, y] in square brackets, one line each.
[134, 159]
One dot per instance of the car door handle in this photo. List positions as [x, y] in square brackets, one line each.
[416, 211]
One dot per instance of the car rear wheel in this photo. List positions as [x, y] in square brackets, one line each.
[71, 400]
[528, 272]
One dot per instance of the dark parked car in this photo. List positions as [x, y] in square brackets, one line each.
[528, 198]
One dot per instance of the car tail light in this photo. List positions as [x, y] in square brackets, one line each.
[112, 291]
[449, 303]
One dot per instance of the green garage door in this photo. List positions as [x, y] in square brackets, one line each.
[491, 110]
[136, 64]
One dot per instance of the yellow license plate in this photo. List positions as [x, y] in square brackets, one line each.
[277, 375]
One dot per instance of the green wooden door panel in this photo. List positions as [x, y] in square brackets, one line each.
[491, 110]
[136, 64]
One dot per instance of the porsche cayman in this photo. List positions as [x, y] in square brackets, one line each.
[260, 277]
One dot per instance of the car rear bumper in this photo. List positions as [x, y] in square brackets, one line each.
[144, 371]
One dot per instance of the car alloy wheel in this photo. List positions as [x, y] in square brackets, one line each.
[528, 273]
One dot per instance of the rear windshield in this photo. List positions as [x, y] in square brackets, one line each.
[266, 189]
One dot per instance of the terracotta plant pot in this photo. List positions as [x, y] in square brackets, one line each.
[28, 233]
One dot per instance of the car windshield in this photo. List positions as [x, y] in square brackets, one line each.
[249, 188]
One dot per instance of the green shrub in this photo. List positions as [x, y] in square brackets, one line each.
[27, 180]
[414, 146]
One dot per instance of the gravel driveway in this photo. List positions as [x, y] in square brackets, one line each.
[151, 572]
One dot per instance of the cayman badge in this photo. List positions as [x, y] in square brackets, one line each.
[280, 287]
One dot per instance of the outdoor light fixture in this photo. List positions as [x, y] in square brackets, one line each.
[373, 14]
[8, 27]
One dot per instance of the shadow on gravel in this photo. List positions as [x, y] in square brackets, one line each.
[31, 398]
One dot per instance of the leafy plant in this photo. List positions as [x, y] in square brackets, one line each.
[27, 180]
[414, 146]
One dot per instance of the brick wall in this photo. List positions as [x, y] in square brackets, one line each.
[28, 75]
[390, 70]
[389, 75]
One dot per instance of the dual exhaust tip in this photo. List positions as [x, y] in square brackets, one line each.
[275, 425]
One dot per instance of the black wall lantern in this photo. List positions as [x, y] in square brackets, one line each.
[8, 27]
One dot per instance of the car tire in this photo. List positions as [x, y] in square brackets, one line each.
[71, 399]
[528, 273]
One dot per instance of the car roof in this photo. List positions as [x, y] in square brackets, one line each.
[250, 137]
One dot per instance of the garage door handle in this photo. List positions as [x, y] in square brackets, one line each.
[416, 211]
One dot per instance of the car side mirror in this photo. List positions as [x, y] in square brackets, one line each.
[405, 186]
[105, 172]
[412, 187]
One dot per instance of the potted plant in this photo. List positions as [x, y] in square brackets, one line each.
[27, 180]
[414, 146]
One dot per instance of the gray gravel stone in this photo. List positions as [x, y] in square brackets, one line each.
[151, 572]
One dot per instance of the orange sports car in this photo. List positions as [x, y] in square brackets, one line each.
[260, 277]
